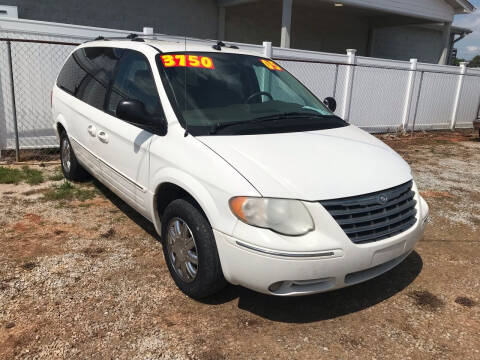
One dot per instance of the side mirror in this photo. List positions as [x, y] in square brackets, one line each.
[134, 112]
[330, 103]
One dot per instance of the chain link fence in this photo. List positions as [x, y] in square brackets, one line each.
[28, 69]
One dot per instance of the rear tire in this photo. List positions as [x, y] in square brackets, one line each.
[190, 250]
[71, 169]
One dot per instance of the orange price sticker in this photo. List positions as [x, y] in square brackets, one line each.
[185, 60]
[271, 65]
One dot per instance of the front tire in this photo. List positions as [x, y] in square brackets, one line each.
[190, 250]
[71, 169]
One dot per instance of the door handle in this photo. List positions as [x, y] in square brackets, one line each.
[102, 136]
[92, 130]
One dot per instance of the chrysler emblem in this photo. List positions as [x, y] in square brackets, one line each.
[382, 199]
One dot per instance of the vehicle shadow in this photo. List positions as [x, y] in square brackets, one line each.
[126, 209]
[329, 305]
[303, 309]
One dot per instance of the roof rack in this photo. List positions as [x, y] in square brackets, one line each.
[141, 38]
[131, 37]
[218, 46]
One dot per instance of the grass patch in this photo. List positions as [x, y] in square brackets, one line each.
[15, 176]
[68, 191]
[32, 176]
[57, 176]
[10, 176]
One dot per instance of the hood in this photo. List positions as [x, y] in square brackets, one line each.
[313, 165]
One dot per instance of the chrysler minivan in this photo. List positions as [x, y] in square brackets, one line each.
[247, 176]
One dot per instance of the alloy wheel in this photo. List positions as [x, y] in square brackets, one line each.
[182, 250]
[66, 155]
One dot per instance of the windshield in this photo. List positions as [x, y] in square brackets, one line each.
[229, 94]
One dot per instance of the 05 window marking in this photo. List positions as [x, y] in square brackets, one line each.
[186, 60]
[269, 64]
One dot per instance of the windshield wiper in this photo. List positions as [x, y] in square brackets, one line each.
[281, 116]
[293, 114]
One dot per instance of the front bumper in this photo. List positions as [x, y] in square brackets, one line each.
[337, 264]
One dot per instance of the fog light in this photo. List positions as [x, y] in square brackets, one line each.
[275, 286]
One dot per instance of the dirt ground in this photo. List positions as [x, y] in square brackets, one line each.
[84, 277]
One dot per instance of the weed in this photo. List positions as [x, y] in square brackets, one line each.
[67, 191]
[15, 176]
[57, 176]
[85, 194]
[10, 176]
[32, 176]
[85, 205]
[60, 192]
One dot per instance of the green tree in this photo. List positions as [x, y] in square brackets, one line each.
[457, 61]
[475, 62]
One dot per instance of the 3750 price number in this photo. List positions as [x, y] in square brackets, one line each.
[184, 60]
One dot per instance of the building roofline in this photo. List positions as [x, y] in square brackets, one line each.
[462, 6]
[467, 5]
[460, 30]
[454, 29]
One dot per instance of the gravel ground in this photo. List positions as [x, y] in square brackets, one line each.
[86, 279]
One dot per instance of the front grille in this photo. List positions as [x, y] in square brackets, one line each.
[375, 216]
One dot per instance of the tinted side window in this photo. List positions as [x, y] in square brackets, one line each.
[88, 72]
[71, 75]
[134, 81]
[99, 64]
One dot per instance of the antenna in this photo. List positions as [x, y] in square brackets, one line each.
[185, 89]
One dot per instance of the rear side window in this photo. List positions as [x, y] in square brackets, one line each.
[71, 74]
[134, 81]
[88, 72]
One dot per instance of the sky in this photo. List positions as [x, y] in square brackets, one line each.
[470, 45]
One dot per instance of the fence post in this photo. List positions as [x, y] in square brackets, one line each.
[409, 95]
[267, 79]
[419, 96]
[478, 111]
[14, 106]
[463, 70]
[267, 49]
[148, 31]
[347, 97]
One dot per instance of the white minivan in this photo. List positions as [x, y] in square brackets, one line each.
[247, 176]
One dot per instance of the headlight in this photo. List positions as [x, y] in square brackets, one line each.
[288, 217]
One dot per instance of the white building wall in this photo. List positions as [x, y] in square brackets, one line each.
[319, 30]
[405, 42]
[329, 31]
[437, 10]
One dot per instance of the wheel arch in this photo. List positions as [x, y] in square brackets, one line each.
[174, 184]
[60, 125]
[167, 192]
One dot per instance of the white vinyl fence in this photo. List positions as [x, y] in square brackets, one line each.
[387, 95]
[375, 94]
